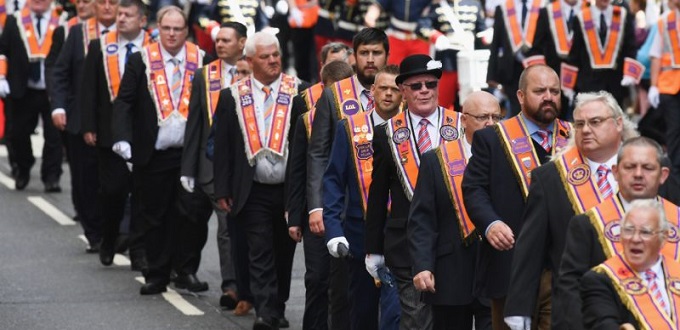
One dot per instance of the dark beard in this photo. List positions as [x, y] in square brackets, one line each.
[365, 81]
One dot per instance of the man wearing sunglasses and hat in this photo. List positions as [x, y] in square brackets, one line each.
[398, 145]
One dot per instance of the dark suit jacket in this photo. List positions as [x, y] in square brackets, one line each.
[434, 238]
[233, 174]
[504, 67]
[602, 307]
[195, 164]
[544, 44]
[297, 177]
[95, 104]
[386, 236]
[18, 66]
[66, 76]
[540, 243]
[491, 192]
[594, 80]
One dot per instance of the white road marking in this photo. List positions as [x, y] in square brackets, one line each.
[176, 300]
[6, 181]
[51, 211]
[118, 259]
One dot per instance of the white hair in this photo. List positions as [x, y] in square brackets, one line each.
[260, 39]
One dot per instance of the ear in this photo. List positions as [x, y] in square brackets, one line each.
[665, 172]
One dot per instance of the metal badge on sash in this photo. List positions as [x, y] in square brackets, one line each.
[578, 175]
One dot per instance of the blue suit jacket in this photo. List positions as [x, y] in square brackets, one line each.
[342, 212]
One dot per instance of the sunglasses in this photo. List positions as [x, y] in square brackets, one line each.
[428, 84]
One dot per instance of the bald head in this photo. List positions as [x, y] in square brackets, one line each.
[480, 109]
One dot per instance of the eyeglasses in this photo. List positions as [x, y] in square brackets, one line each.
[483, 118]
[645, 234]
[428, 84]
[592, 122]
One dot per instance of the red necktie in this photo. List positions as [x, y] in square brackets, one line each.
[602, 182]
[424, 142]
[654, 289]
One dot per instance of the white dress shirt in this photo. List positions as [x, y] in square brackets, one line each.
[269, 169]
[660, 280]
[610, 176]
[9, 5]
[138, 43]
[227, 77]
[171, 132]
[608, 14]
[432, 127]
[44, 23]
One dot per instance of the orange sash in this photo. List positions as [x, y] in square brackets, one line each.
[521, 38]
[519, 148]
[212, 75]
[311, 95]
[603, 58]
[308, 120]
[580, 186]
[274, 141]
[360, 132]
[34, 49]
[90, 32]
[109, 46]
[3, 14]
[69, 24]
[159, 85]
[452, 161]
[404, 143]
[636, 297]
[606, 217]
[346, 93]
[668, 27]
[559, 29]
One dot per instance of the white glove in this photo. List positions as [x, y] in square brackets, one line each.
[4, 88]
[518, 322]
[442, 43]
[213, 33]
[295, 15]
[187, 183]
[123, 149]
[271, 30]
[653, 96]
[282, 7]
[569, 94]
[628, 81]
[129, 166]
[486, 35]
[373, 262]
[333, 243]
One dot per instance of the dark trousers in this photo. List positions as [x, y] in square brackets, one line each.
[364, 296]
[415, 314]
[114, 189]
[239, 255]
[284, 252]
[82, 160]
[22, 118]
[337, 294]
[305, 59]
[497, 308]
[172, 238]
[317, 273]
[223, 240]
[670, 106]
[460, 317]
[264, 207]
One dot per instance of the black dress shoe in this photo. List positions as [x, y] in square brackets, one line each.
[52, 187]
[191, 283]
[106, 253]
[283, 323]
[152, 288]
[21, 180]
[139, 264]
[262, 324]
[93, 248]
[229, 299]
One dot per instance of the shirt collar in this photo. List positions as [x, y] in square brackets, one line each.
[531, 126]
[433, 118]
[138, 40]
[274, 85]
[107, 28]
[609, 163]
[180, 55]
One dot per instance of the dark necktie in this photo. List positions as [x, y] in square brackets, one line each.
[603, 29]
[35, 74]
[16, 6]
[105, 31]
[129, 47]
[524, 12]
[571, 20]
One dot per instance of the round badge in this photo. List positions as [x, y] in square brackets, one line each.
[364, 129]
[674, 285]
[356, 138]
[612, 231]
[369, 136]
[578, 175]
[673, 236]
[634, 286]
[401, 135]
[448, 132]
[350, 107]
[112, 49]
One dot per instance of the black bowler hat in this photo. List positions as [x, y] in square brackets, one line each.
[418, 64]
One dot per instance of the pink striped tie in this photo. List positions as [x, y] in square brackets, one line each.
[545, 139]
[602, 182]
[424, 142]
[371, 102]
[176, 87]
[654, 289]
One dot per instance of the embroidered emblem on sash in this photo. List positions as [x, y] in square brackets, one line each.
[449, 133]
[578, 175]
[612, 231]
[634, 286]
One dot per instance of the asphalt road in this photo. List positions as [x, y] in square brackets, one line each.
[47, 281]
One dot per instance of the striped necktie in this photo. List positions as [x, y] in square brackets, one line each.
[654, 289]
[545, 139]
[232, 72]
[268, 106]
[176, 86]
[371, 101]
[602, 182]
[424, 142]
